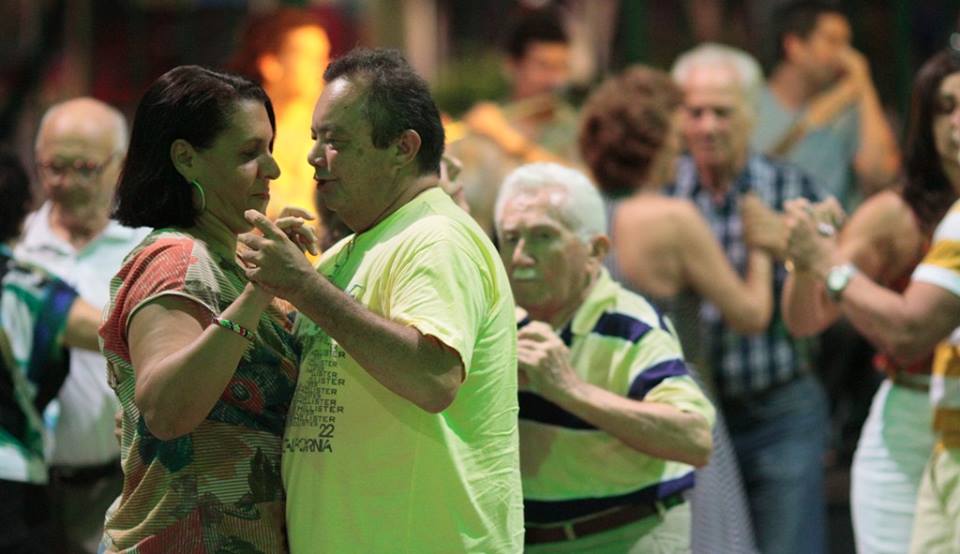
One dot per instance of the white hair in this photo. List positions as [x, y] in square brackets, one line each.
[582, 208]
[710, 54]
[89, 107]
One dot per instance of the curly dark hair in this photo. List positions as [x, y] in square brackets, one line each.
[624, 124]
[188, 102]
[927, 190]
[16, 194]
[395, 99]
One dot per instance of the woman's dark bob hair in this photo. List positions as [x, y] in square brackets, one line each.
[190, 103]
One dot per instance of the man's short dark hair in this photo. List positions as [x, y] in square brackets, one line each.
[190, 103]
[17, 198]
[537, 26]
[395, 99]
[800, 19]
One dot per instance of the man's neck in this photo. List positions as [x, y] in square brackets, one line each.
[414, 187]
[790, 87]
[718, 179]
[78, 227]
[558, 318]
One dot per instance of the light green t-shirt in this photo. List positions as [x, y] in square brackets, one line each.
[367, 471]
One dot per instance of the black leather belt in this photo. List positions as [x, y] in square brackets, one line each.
[604, 521]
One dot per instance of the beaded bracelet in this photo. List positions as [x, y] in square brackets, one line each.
[236, 328]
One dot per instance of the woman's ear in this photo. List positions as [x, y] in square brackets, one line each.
[183, 155]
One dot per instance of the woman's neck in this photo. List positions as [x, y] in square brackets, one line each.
[216, 234]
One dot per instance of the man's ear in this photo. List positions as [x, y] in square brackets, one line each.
[407, 147]
[183, 155]
[599, 246]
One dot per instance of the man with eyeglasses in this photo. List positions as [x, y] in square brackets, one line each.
[79, 150]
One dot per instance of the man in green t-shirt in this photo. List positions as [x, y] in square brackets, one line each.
[402, 435]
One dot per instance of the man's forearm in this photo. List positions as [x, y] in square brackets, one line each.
[655, 429]
[416, 367]
[878, 159]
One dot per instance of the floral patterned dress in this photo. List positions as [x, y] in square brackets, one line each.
[218, 488]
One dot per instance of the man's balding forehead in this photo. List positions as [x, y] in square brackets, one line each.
[87, 109]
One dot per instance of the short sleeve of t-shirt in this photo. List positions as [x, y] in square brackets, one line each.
[166, 265]
[660, 375]
[941, 266]
[439, 289]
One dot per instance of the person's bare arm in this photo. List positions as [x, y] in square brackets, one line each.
[878, 158]
[746, 304]
[656, 429]
[83, 322]
[908, 326]
[417, 367]
[806, 308]
[183, 362]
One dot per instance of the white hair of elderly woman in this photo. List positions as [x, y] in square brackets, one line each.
[581, 208]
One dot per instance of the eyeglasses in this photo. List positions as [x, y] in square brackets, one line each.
[81, 170]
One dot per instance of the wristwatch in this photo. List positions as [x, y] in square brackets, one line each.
[838, 278]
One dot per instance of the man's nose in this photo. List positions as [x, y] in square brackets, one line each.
[708, 121]
[317, 156]
[520, 255]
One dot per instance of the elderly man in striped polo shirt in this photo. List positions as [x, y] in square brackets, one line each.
[611, 422]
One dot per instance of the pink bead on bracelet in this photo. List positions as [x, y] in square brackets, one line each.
[236, 328]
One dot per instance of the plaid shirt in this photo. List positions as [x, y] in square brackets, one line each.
[742, 365]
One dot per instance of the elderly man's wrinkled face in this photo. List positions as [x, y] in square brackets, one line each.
[78, 159]
[716, 122]
[548, 265]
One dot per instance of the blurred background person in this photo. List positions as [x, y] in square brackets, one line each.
[80, 148]
[535, 124]
[286, 51]
[202, 361]
[773, 404]
[822, 112]
[820, 109]
[612, 423]
[908, 325]
[40, 316]
[663, 248]
[885, 239]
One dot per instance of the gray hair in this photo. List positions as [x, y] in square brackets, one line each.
[744, 66]
[582, 209]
